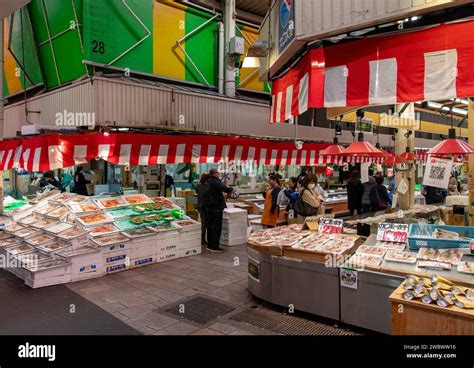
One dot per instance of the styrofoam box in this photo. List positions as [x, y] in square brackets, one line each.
[232, 213]
[169, 240]
[86, 263]
[167, 256]
[145, 241]
[143, 252]
[143, 261]
[190, 244]
[189, 236]
[49, 270]
[117, 267]
[116, 248]
[78, 241]
[32, 283]
[118, 257]
[163, 248]
[190, 251]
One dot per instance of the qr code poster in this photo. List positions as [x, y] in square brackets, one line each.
[438, 172]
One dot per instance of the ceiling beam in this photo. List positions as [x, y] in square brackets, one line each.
[241, 14]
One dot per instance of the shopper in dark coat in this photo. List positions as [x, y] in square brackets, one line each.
[379, 198]
[80, 182]
[355, 191]
[434, 195]
[49, 179]
[202, 208]
[367, 189]
[214, 202]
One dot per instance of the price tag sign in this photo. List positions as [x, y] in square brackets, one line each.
[330, 226]
[393, 232]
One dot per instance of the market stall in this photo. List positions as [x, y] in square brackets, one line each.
[62, 237]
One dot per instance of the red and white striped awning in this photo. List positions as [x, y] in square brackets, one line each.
[55, 151]
[435, 64]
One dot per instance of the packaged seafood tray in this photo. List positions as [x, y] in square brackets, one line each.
[17, 249]
[107, 240]
[49, 196]
[164, 227]
[391, 245]
[400, 256]
[164, 202]
[363, 260]
[452, 255]
[40, 239]
[439, 236]
[44, 223]
[46, 209]
[63, 197]
[12, 228]
[29, 259]
[28, 220]
[59, 228]
[133, 199]
[94, 219]
[188, 225]
[5, 235]
[110, 202]
[105, 229]
[428, 254]
[466, 267]
[8, 242]
[77, 199]
[48, 273]
[76, 236]
[84, 207]
[59, 213]
[140, 233]
[371, 251]
[86, 263]
[27, 232]
[53, 247]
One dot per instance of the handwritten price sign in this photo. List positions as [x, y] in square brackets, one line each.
[330, 226]
[393, 232]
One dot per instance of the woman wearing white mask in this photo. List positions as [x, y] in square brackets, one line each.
[309, 201]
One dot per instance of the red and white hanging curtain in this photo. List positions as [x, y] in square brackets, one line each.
[55, 151]
[431, 64]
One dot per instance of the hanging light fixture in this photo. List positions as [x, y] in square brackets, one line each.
[409, 156]
[333, 150]
[452, 146]
[361, 148]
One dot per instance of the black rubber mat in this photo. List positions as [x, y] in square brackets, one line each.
[47, 311]
[199, 310]
[286, 324]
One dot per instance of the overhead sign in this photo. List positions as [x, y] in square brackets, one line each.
[286, 29]
[438, 172]
[365, 125]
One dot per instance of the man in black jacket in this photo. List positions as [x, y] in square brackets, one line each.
[214, 204]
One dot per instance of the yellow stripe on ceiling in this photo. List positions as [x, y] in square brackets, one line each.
[13, 82]
[169, 25]
[425, 126]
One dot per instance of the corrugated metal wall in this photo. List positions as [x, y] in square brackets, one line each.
[129, 104]
[315, 18]
[74, 98]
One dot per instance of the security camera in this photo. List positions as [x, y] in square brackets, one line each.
[299, 145]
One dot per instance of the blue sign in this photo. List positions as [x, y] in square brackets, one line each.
[286, 32]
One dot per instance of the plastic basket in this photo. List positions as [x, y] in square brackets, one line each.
[415, 243]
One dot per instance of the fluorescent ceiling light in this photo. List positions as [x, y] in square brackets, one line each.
[251, 62]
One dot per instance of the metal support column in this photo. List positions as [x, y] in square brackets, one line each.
[229, 24]
[403, 140]
[2, 64]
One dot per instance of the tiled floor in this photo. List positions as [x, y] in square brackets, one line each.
[139, 296]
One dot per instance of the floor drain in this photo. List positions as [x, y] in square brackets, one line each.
[285, 324]
[199, 310]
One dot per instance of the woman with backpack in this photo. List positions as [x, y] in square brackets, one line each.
[271, 209]
[379, 198]
[309, 201]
